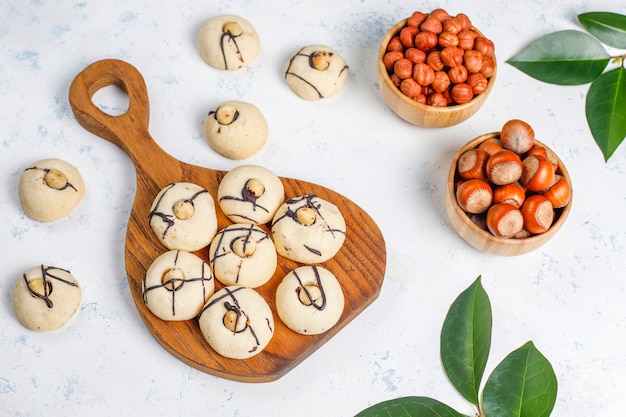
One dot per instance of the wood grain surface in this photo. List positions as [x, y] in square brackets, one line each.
[359, 266]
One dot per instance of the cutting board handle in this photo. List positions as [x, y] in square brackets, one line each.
[129, 130]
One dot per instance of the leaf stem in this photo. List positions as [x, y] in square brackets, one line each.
[619, 59]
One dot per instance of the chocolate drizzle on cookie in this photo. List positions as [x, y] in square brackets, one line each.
[233, 305]
[302, 288]
[246, 197]
[169, 219]
[309, 201]
[47, 170]
[289, 73]
[175, 284]
[311, 59]
[47, 276]
[226, 38]
[245, 232]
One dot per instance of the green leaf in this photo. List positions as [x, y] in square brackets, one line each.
[606, 110]
[410, 407]
[522, 385]
[466, 340]
[568, 57]
[610, 28]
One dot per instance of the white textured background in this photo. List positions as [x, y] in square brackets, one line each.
[568, 297]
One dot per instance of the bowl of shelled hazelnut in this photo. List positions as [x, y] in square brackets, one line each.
[435, 69]
[507, 193]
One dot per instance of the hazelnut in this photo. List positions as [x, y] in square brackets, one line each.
[504, 167]
[309, 294]
[453, 25]
[320, 60]
[461, 93]
[434, 60]
[440, 14]
[466, 39]
[173, 279]
[537, 173]
[517, 135]
[395, 80]
[255, 187]
[491, 145]
[538, 213]
[447, 95]
[471, 164]
[441, 81]
[474, 196]
[306, 216]
[410, 88]
[447, 39]
[421, 98]
[416, 19]
[437, 100]
[540, 150]
[560, 193]
[484, 45]
[423, 74]
[183, 209]
[458, 74]
[415, 55]
[407, 36]
[243, 246]
[478, 82]
[488, 68]
[40, 287]
[55, 179]
[235, 321]
[226, 114]
[425, 41]
[473, 60]
[232, 28]
[452, 56]
[432, 24]
[403, 68]
[512, 193]
[504, 220]
[466, 23]
[395, 44]
[390, 58]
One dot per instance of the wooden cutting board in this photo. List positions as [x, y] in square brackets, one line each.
[359, 266]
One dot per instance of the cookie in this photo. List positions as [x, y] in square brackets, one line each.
[309, 300]
[177, 285]
[316, 72]
[236, 130]
[308, 229]
[46, 297]
[250, 194]
[243, 254]
[228, 42]
[183, 217]
[50, 189]
[237, 322]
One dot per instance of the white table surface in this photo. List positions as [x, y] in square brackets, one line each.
[567, 297]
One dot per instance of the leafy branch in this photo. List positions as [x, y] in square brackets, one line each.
[573, 57]
[522, 385]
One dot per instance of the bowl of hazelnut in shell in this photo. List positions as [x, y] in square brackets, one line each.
[507, 193]
[435, 69]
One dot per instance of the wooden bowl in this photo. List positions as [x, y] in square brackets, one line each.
[481, 238]
[422, 114]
